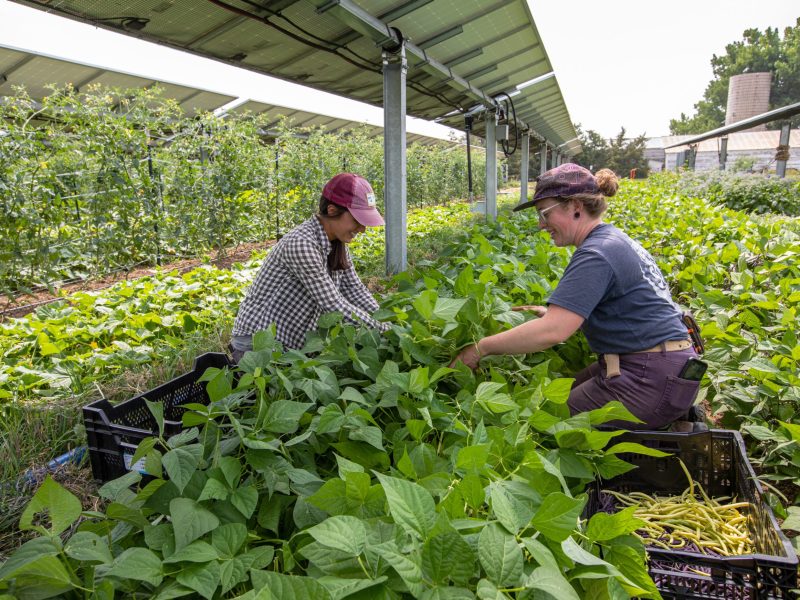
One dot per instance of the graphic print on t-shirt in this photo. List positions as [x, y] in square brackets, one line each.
[650, 271]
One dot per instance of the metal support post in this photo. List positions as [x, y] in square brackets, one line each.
[523, 167]
[783, 151]
[394, 159]
[543, 159]
[491, 165]
[723, 153]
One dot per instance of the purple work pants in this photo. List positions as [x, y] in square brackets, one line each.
[648, 386]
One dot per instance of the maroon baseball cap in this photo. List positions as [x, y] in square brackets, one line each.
[564, 181]
[355, 194]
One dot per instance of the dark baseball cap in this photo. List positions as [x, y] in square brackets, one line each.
[564, 181]
[354, 193]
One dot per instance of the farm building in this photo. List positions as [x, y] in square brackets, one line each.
[761, 146]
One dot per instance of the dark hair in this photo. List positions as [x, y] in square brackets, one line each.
[595, 204]
[337, 258]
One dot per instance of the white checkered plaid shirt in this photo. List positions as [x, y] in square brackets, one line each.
[293, 288]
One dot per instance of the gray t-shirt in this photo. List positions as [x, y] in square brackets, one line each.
[616, 286]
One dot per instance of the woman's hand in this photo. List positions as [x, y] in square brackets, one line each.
[470, 356]
[534, 308]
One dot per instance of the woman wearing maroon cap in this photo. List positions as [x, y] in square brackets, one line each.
[309, 272]
[615, 293]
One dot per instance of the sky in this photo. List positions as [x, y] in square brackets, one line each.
[619, 63]
[638, 63]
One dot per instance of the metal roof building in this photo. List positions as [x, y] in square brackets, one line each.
[758, 145]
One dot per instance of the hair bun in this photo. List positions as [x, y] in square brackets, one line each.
[607, 182]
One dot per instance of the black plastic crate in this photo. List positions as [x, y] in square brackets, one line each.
[114, 431]
[718, 461]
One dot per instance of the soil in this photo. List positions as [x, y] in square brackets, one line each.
[26, 303]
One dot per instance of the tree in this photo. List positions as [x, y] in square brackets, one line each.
[757, 52]
[620, 154]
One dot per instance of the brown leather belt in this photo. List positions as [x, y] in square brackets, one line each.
[612, 360]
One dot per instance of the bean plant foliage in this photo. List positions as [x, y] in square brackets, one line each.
[363, 466]
[63, 349]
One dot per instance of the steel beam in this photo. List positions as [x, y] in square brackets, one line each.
[723, 153]
[523, 167]
[780, 166]
[394, 159]
[543, 159]
[491, 164]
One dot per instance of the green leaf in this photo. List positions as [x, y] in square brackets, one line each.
[552, 582]
[488, 591]
[181, 464]
[351, 394]
[45, 577]
[557, 391]
[447, 593]
[557, 517]
[473, 459]
[198, 552]
[372, 435]
[603, 526]
[218, 386]
[760, 364]
[202, 578]
[46, 347]
[116, 489]
[245, 499]
[411, 505]
[340, 588]
[228, 538]
[231, 470]
[283, 416]
[447, 308]
[500, 556]
[214, 489]
[190, 520]
[636, 448]
[448, 556]
[488, 397]
[512, 514]
[424, 303]
[330, 497]
[157, 410]
[140, 564]
[793, 430]
[61, 507]
[407, 566]
[343, 533]
[613, 411]
[29, 552]
[289, 587]
[86, 546]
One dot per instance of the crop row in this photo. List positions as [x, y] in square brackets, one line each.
[118, 178]
[364, 467]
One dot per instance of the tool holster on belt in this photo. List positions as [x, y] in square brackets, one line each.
[612, 360]
[694, 331]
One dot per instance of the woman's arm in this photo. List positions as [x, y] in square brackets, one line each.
[307, 263]
[355, 291]
[555, 327]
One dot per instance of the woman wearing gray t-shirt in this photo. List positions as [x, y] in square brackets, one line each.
[615, 293]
